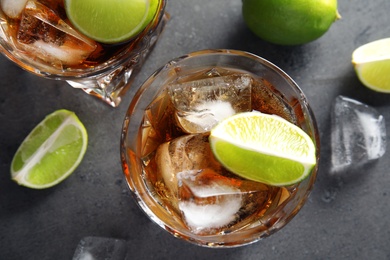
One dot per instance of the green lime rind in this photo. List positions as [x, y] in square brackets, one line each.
[260, 167]
[263, 148]
[289, 22]
[51, 152]
[111, 21]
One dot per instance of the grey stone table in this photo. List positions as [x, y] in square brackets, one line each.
[344, 218]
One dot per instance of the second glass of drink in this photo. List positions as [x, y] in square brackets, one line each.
[50, 38]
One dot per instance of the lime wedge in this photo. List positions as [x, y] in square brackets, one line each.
[111, 21]
[264, 148]
[51, 152]
[372, 64]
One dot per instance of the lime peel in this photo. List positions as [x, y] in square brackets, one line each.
[264, 148]
[51, 152]
[289, 22]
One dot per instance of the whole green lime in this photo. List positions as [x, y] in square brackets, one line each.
[289, 22]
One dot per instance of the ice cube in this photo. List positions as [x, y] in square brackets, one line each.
[358, 134]
[96, 248]
[46, 36]
[211, 202]
[13, 8]
[209, 198]
[186, 153]
[201, 104]
[210, 205]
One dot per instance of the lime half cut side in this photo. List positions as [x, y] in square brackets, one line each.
[264, 148]
[111, 21]
[372, 64]
[51, 152]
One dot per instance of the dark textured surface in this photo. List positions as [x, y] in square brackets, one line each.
[345, 218]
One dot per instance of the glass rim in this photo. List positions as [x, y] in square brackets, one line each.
[187, 235]
[208, 52]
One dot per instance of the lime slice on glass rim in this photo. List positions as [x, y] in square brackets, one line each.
[264, 148]
[372, 64]
[51, 152]
[111, 21]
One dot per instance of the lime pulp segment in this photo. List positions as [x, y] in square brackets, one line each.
[375, 75]
[372, 64]
[111, 21]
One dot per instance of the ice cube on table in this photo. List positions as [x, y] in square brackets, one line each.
[46, 36]
[97, 248]
[201, 104]
[358, 134]
[13, 8]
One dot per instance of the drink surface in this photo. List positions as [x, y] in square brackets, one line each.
[177, 162]
[43, 36]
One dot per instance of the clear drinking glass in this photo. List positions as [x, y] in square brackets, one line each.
[156, 152]
[33, 41]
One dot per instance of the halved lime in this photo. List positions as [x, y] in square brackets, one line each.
[51, 152]
[372, 64]
[264, 148]
[111, 21]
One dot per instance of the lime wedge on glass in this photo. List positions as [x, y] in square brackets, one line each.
[51, 152]
[111, 21]
[372, 64]
[264, 148]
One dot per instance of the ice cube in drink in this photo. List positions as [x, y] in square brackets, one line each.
[39, 31]
[208, 198]
[201, 104]
[42, 32]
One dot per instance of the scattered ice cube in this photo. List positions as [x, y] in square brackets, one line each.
[358, 134]
[13, 8]
[208, 197]
[97, 248]
[44, 34]
[201, 104]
